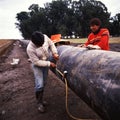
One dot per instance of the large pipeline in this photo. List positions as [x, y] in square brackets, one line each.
[94, 75]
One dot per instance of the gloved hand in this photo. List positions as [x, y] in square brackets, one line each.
[56, 56]
[90, 47]
[53, 65]
[81, 45]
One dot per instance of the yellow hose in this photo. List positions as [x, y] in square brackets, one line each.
[66, 99]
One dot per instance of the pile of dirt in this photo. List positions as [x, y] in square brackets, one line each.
[17, 98]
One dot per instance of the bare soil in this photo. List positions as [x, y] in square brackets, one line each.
[17, 98]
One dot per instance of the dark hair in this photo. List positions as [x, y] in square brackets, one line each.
[37, 38]
[95, 21]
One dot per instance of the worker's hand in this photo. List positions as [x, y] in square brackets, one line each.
[81, 45]
[90, 47]
[53, 65]
[56, 56]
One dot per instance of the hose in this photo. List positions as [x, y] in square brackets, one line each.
[66, 99]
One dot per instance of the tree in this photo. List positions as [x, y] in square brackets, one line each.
[62, 16]
[115, 25]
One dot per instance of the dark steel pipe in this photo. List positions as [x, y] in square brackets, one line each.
[94, 75]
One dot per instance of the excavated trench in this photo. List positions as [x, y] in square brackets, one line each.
[17, 98]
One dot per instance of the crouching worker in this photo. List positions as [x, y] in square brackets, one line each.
[38, 51]
[98, 38]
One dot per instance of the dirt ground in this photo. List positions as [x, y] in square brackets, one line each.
[17, 98]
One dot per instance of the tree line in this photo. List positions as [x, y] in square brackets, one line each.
[66, 17]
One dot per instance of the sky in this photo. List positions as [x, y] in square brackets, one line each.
[9, 9]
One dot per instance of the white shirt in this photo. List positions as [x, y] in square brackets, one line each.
[39, 55]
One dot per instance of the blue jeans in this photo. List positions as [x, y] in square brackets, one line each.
[41, 75]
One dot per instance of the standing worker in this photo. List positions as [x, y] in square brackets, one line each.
[38, 51]
[98, 38]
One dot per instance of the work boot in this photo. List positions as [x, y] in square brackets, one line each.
[39, 97]
[41, 108]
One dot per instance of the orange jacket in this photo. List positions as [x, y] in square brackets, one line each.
[101, 39]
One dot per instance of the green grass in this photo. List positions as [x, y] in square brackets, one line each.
[115, 40]
[83, 40]
[80, 40]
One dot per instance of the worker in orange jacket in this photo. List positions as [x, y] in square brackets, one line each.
[99, 37]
